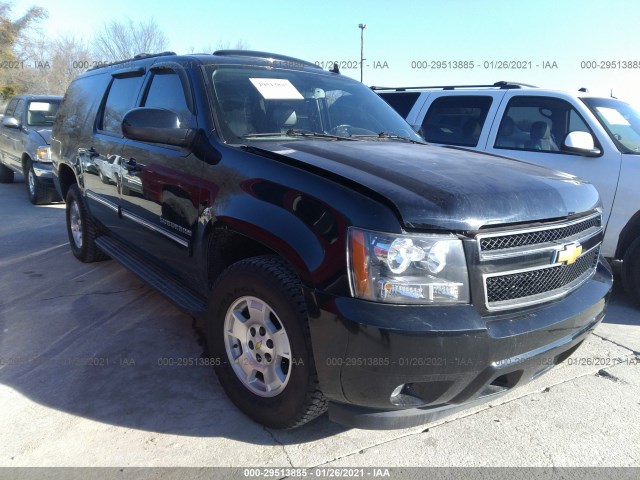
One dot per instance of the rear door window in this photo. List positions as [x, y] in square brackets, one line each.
[456, 120]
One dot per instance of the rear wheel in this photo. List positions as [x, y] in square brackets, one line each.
[258, 335]
[81, 228]
[631, 271]
[6, 174]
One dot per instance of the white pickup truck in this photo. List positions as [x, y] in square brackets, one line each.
[594, 138]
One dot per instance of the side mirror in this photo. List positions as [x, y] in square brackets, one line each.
[580, 143]
[11, 122]
[156, 125]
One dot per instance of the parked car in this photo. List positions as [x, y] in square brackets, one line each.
[592, 137]
[24, 144]
[337, 261]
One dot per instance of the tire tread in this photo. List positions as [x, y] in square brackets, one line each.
[315, 403]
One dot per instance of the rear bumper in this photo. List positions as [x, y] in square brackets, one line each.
[439, 360]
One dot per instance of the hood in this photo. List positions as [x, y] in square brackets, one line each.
[447, 188]
[45, 133]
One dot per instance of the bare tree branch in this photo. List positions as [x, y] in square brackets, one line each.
[121, 40]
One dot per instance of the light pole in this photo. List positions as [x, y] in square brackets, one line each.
[361, 26]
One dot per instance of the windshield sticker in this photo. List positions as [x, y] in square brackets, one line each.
[276, 89]
[39, 106]
[613, 116]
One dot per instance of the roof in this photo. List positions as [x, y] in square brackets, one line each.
[245, 57]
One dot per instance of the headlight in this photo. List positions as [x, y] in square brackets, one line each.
[411, 268]
[44, 154]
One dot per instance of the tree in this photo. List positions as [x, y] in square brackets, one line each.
[122, 40]
[239, 45]
[53, 64]
[14, 42]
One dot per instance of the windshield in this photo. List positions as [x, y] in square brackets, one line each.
[620, 120]
[42, 113]
[256, 104]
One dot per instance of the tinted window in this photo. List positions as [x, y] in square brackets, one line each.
[401, 102]
[122, 98]
[538, 123]
[83, 96]
[456, 120]
[166, 92]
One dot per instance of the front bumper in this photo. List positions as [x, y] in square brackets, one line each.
[439, 360]
[43, 171]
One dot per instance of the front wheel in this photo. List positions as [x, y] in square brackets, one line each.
[631, 271]
[39, 193]
[81, 228]
[258, 335]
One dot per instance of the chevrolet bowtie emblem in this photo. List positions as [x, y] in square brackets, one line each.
[569, 253]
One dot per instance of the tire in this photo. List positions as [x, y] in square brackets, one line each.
[631, 271]
[6, 174]
[278, 344]
[81, 229]
[39, 193]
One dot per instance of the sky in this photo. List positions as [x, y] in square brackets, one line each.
[561, 44]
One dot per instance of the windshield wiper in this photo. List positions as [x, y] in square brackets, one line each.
[390, 136]
[297, 132]
[257, 135]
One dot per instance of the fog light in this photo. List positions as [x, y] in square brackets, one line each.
[397, 390]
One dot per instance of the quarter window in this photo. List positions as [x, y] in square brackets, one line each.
[456, 120]
[121, 98]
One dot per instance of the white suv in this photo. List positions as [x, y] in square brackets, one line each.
[594, 138]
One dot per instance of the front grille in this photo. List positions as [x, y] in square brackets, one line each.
[531, 283]
[521, 266]
[500, 242]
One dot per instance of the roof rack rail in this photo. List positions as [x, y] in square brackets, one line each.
[265, 56]
[139, 56]
[149, 55]
[501, 85]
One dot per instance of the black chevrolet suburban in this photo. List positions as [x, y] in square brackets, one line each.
[337, 261]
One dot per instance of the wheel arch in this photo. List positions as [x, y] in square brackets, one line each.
[628, 234]
[227, 245]
[66, 178]
[25, 160]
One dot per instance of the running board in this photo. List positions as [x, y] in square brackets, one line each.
[180, 296]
